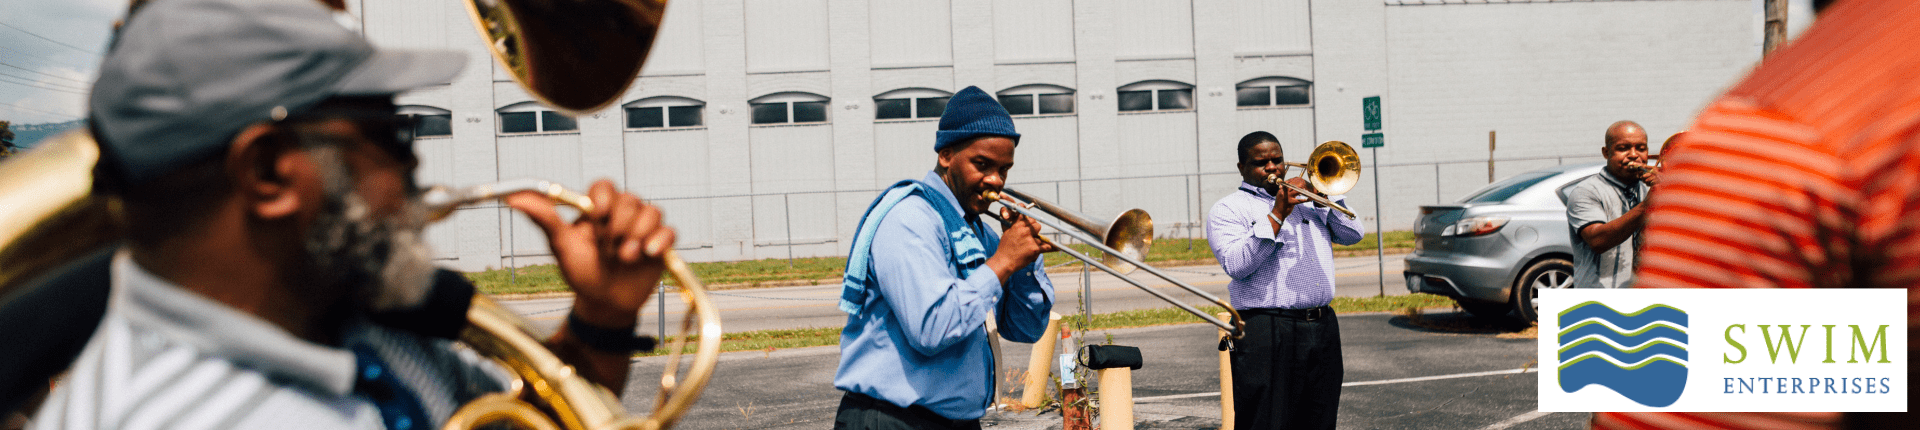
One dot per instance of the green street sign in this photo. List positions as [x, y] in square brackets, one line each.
[1370, 110]
[1373, 140]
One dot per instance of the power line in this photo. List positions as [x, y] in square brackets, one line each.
[29, 33]
[38, 85]
[61, 85]
[2, 63]
[28, 109]
[17, 52]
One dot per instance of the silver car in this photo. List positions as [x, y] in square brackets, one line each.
[1495, 248]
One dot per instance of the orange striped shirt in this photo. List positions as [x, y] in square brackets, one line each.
[1805, 174]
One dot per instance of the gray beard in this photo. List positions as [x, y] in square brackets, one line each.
[383, 264]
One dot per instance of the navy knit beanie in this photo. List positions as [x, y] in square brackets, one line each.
[972, 113]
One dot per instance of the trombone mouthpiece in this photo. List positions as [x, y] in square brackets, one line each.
[990, 195]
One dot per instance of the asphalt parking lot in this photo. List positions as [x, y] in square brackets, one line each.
[1437, 371]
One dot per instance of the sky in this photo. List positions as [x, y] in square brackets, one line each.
[50, 50]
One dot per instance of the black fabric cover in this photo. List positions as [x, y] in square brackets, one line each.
[1111, 357]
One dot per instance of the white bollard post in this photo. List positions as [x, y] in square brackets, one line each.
[1116, 399]
[1226, 380]
[1040, 364]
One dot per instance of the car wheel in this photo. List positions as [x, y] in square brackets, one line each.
[1544, 274]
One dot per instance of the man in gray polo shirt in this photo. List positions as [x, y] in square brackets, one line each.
[270, 209]
[1606, 211]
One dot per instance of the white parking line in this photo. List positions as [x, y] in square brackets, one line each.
[1355, 384]
[1510, 422]
[1430, 378]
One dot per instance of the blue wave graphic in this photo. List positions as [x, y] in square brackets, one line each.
[1658, 383]
[1628, 356]
[1627, 322]
[1652, 373]
[1567, 336]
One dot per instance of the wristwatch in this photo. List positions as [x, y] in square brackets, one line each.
[607, 339]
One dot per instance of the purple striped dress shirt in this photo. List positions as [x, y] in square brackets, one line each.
[1292, 269]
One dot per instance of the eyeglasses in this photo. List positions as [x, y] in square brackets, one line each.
[388, 131]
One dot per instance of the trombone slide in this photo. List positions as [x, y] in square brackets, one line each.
[1234, 329]
[1323, 201]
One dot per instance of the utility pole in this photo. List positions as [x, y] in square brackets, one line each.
[1776, 26]
[1490, 156]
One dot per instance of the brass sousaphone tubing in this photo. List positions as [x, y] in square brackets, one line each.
[1133, 224]
[502, 335]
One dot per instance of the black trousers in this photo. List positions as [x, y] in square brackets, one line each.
[1287, 370]
[859, 412]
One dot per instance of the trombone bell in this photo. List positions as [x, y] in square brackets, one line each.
[576, 56]
[1333, 168]
[1131, 233]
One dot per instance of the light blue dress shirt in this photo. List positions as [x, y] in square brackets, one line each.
[921, 338]
[1292, 269]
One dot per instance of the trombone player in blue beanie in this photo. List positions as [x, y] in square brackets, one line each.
[925, 273]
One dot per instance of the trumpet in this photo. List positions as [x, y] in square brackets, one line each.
[1333, 167]
[1637, 169]
[1132, 233]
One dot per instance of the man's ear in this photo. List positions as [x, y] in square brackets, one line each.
[266, 171]
[946, 158]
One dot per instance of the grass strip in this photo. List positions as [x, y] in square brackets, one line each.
[770, 340]
[754, 273]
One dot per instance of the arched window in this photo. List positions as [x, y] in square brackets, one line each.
[910, 103]
[428, 121]
[665, 112]
[789, 108]
[1155, 95]
[1037, 99]
[1274, 91]
[531, 117]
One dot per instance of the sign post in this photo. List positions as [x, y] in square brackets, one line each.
[1370, 118]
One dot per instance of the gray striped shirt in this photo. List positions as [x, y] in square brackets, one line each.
[165, 357]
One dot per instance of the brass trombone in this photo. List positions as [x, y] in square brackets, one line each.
[1131, 233]
[1332, 168]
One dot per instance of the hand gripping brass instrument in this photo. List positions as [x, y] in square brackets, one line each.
[1656, 160]
[576, 56]
[1125, 242]
[1333, 168]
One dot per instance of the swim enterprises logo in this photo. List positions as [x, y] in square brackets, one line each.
[1697, 350]
[1641, 355]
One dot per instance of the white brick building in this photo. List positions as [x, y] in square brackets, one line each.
[765, 127]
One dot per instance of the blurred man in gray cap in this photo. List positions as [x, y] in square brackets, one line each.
[270, 208]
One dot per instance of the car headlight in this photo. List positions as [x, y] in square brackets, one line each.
[1475, 226]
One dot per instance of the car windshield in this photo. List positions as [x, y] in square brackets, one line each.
[1503, 190]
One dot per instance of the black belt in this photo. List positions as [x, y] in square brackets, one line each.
[1309, 314]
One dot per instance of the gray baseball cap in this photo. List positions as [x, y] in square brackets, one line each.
[184, 76]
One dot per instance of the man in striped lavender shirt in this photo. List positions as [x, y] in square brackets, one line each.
[1287, 370]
